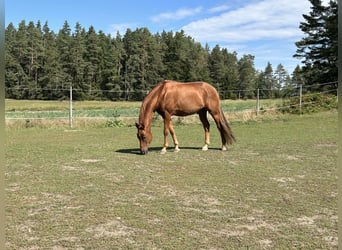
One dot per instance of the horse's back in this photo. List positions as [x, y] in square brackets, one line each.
[187, 98]
[189, 87]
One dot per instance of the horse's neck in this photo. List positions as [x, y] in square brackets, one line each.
[146, 112]
[150, 104]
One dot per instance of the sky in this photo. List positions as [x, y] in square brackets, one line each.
[267, 29]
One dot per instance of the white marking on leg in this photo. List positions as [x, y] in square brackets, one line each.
[224, 148]
[205, 147]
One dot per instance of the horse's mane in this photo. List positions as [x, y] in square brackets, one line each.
[147, 107]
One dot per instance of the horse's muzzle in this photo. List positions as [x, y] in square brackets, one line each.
[144, 151]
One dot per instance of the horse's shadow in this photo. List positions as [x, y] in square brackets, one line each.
[136, 151]
[133, 151]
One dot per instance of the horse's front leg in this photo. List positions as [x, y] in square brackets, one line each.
[167, 121]
[169, 128]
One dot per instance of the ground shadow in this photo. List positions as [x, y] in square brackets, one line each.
[136, 151]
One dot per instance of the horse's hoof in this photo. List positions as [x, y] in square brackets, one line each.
[177, 150]
[224, 148]
[205, 147]
[163, 151]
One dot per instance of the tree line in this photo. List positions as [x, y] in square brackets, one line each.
[42, 64]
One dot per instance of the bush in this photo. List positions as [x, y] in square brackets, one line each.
[311, 103]
[113, 123]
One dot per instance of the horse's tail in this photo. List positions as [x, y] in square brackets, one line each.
[225, 129]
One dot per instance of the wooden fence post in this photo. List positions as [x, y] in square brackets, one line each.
[70, 108]
[258, 103]
[300, 99]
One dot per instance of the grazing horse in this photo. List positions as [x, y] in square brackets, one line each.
[170, 98]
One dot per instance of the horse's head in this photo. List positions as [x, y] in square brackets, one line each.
[144, 136]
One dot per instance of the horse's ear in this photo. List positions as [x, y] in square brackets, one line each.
[139, 126]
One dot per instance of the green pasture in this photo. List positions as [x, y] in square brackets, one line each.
[88, 188]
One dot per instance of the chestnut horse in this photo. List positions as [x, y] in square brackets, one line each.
[170, 98]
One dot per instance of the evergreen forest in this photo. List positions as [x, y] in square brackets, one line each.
[42, 64]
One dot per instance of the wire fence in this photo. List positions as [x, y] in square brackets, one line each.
[137, 95]
[71, 112]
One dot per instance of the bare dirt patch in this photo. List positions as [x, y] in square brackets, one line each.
[91, 160]
[113, 228]
[283, 179]
[71, 168]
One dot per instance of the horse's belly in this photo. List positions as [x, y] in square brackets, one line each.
[181, 102]
[187, 107]
[183, 113]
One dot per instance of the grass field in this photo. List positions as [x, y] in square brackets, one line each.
[35, 105]
[48, 114]
[55, 109]
[276, 188]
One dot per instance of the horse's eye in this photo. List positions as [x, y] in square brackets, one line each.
[141, 137]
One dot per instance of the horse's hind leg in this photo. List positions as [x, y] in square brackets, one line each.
[206, 125]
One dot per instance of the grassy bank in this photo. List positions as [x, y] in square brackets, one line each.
[27, 113]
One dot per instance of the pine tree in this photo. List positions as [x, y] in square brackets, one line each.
[151, 59]
[35, 54]
[63, 44]
[217, 68]
[143, 62]
[198, 59]
[117, 86]
[176, 49]
[92, 64]
[231, 73]
[297, 78]
[269, 81]
[21, 53]
[154, 68]
[12, 67]
[318, 48]
[246, 83]
[282, 79]
[50, 80]
[134, 64]
[290, 87]
[107, 63]
[78, 52]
